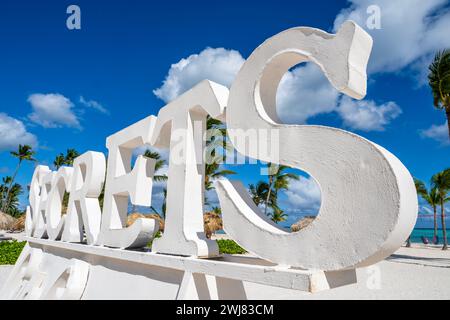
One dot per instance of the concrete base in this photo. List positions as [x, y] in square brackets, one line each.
[62, 270]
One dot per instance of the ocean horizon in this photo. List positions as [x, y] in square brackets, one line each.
[416, 235]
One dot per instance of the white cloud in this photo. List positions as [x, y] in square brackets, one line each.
[52, 110]
[365, 115]
[303, 93]
[216, 64]
[438, 133]
[13, 132]
[426, 209]
[410, 30]
[94, 105]
[304, 194]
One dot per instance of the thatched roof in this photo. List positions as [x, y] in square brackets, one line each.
[136, 215]
[19, 224]
[302, 223]
[212, 222]
[6, 221]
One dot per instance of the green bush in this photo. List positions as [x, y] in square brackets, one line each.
[230, 247]
[10, 251]
[157, 235]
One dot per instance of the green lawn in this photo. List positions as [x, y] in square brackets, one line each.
[230, 247]
[10, 251]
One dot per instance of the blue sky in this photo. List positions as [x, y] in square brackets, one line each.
[63, 88]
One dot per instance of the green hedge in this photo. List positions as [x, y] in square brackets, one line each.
[230, 247]
[10, 251]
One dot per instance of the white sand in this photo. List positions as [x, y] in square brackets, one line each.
[411, 273]
[419, 272]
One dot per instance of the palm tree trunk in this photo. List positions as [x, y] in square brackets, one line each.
[408, 242]
[447, 112]
[6, 204]
[268, 194]
[435, 222]
[444, 230]
[267, 200]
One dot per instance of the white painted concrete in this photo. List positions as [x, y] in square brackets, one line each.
[181, 126]
[55, 218]
[123, 183]
[369, 201]
[47, 264]
[83, 212]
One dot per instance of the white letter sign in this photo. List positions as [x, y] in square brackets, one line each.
[369, 201]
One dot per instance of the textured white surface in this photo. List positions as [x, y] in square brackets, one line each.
[369, 201]
[43, 263]
[40, 230]
[410, 273]
[83, 212]
[181, 125]
[34, 198]
[55, 219]
[5, 270]
[123, 182]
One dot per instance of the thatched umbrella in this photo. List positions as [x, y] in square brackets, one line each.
[302, 223]
[19, 224]
[136, 215]
[212, 222]
[6, 221]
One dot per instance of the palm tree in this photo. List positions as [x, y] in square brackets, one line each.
[441, 181]
[158, 177]
[4, 189]
[214, 171]
[259, 192]
[59, 161]
[278, 180]
[433, 199]
[71, 154]
[158, 165]
[162, 214]
[439, 80]
[13, 200]
[13, 197]
[24, 153]
[278, 215]
[421, 189]
[213, 168]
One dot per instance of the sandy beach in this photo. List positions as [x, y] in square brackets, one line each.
[419, 272]
[411, 273]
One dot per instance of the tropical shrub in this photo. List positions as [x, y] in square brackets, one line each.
[10, 251]
[229, 246]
